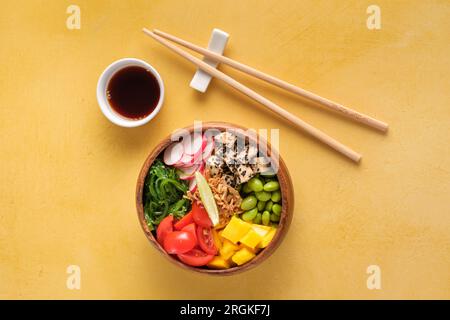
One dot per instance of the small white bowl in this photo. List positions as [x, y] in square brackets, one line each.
[102, 99]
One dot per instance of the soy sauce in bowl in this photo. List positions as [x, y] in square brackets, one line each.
[133, 92]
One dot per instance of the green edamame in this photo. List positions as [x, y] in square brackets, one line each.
[249, 215]
[269, 205]
[257, 219]
[268, 174]
[263, 196]
[249, 203]
[274, 217]
[271, 186]
[265, 218]
[276, 208]
[276, 196]
[255, 184]
[261, 205]
[246, 188]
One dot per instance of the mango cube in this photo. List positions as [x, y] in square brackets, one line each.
[219, 263]
[267, 238]
[251, 239]
[236, 229]
[228, 249]
[260, 229]
[217, 240]
[242, 256]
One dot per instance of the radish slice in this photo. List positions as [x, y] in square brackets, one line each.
[192, 185]
[185, 161]
[189, 170]
[201, 168]
[184, 176]
[208, 148]
[197, 158]
[173, 153]
[193, 144]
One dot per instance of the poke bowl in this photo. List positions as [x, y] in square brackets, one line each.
[216, 199]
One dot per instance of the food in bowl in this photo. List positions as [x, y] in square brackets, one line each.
[212, 200]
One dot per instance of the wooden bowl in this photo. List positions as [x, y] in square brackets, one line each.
[286, 188]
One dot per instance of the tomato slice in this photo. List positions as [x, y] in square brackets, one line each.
[164, 227]
[205, 240]
[196, 258]
[200, 215]
[192, 229]
[177, 242]
[187, 219]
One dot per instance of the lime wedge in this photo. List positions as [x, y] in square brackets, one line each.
[207, 198]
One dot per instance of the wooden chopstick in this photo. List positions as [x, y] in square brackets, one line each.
[299, 123]
[347, 112]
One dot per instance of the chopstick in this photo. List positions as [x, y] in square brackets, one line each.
[297, 122]
[345, 111]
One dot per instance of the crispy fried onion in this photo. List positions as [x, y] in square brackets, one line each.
[227, 198]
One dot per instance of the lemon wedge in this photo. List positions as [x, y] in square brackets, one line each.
[207, 198]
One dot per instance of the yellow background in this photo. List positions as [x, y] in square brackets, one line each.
[67, 175]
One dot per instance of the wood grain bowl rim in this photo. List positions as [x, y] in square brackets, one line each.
[287, 193]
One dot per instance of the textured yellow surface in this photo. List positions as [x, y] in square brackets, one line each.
[67, 175]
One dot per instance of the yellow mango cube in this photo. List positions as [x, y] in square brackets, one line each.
[267, 238]
[228, 249]
[242, 256]
[251, 239]
[219, 263]
[235, 229]
[217, 240]
[260, 229]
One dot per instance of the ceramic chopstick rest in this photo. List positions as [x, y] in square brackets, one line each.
[217, 43]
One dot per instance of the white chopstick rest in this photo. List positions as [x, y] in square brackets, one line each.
[217, 43]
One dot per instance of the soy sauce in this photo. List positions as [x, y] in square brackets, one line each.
[133, 92]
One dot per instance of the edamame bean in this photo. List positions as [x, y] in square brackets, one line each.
[249, 203]
[261, 205]
[257, 219]
[246, 188]
[274, 217]
[255, 184]
[271, 186]
[276, 208]
[268, 174]
[265, 218]
[276, 196]
[269, 205]
[263, 196]
[249, 215]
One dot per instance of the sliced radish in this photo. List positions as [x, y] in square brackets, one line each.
[201, 168]
[192, 185]
[193, 144]
[208, 148]
[184, 176]
[173, 153]
[185, 161]
[187, 173]
[191, 169]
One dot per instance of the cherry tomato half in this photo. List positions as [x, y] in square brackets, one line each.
[195, 257]
[200, 216]
[164, 227]
[205, 240]
[192, 229]
[177, 242]
[187, 219]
